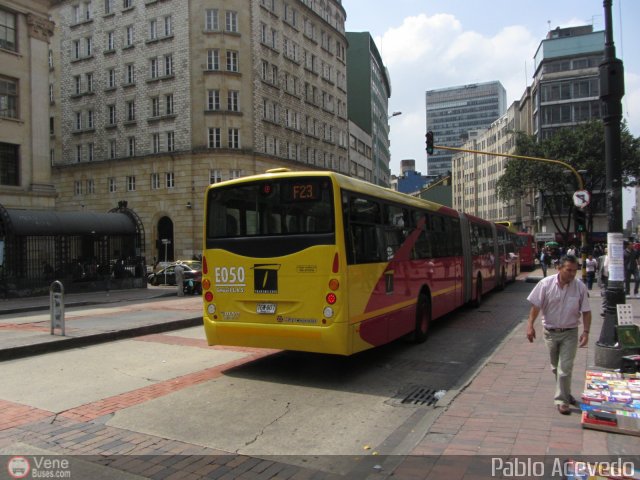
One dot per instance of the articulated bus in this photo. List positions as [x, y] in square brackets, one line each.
[527, 251]
[321, 262]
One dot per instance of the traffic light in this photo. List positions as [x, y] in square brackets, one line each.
[429, 142]
[580, 220]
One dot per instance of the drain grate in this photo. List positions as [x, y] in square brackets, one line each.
[423, 396]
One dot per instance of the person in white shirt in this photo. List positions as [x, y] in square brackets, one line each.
[563, 301]
[592, 265]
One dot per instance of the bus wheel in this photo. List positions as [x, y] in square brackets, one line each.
[478, 300]
[423, 319]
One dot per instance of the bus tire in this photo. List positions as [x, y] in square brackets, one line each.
[478, 300]
[423, 318]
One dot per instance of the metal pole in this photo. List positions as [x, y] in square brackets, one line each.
[608, 353]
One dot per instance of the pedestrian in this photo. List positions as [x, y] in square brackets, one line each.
[562, 300]
[545, 260]
[603, 271]
[592, 265]
[630, 260]
[179, 271]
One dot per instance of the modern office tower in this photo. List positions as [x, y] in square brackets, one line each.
[566, 85]
[369, 90]
[153, 100]
[25, 173]
[455, 111]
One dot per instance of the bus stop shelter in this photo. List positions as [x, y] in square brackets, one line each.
[86, 251]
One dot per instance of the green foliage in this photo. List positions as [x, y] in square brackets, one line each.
[582, 147]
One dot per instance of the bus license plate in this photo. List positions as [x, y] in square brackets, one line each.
[266, 308]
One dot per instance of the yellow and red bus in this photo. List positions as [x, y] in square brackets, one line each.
[321, 262]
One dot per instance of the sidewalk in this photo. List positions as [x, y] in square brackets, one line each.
[25, 323]
[505, 409]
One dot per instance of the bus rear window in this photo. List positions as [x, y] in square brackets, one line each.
[276, 207]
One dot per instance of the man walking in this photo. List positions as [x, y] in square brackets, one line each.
[630, 269]
[562, 300]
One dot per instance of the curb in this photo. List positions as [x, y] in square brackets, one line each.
[65, 343]
[80, 303]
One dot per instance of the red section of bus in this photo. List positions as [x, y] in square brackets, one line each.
[526, 250]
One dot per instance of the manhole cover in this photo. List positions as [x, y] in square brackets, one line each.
[423, 396]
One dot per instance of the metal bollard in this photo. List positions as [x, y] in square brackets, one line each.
[56, 307]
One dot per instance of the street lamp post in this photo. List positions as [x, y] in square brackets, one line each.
[608, 354]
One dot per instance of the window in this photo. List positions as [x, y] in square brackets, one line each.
[153, 29]
[213, 100]
[128, 40]
[78, 153]
[131, 183]
[112, 115]
[91, 186]
[232, 101]
[77, 85]
[215, 176]
[130, 75]
[214, 137]
[153, 68]
[168, 65]
[88, 80]
[168, 28]
[169, 179]
[51, 96]
[131, 146]
[127, 4]
[232, 61]
[89, 119]
[77, 16]
[77, 187]
[234, 138]
[111, 43]
[111, 78]
[89, 46]
[108, 6]
[211, 20]
[155, 181]
[213, 59]
[90, 150]
[155, 106]
[9, 163]
[131, 110]
[76, 49]
[78, 121]
[113, 187]
[235, 173]
[168, 100]
[155, 142]
[170, 142]
[231, 24]
[113, 151]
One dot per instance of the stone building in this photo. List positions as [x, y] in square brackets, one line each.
[25, 176]
[153, 100]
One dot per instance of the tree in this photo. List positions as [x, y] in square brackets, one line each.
[582, 147]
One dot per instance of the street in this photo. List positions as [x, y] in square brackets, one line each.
[260, 403]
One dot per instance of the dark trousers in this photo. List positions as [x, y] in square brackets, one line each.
[627, 281]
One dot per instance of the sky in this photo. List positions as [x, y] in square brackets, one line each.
[430, 44]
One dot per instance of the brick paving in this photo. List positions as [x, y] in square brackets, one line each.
[505, 410]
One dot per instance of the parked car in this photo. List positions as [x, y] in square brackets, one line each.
[167, 276]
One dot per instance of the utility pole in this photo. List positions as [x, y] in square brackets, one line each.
[608, 354]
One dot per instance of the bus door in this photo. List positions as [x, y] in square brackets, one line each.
[467, 266]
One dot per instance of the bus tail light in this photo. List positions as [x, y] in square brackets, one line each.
[208, 296]
[336, 263]
[205, 269]
[206, 284]
[334, 284]
[331, 298]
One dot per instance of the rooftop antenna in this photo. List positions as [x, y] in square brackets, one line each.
[548, 25]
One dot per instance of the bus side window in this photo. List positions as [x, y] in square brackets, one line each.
[232, 225]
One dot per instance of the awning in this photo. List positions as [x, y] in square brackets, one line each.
[50, 222]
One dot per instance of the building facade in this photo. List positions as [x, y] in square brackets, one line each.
[154, 100]
[451, 113]
[25, 173]
[369, 89]
[474, 175]
[360, 153]
[566, 84]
